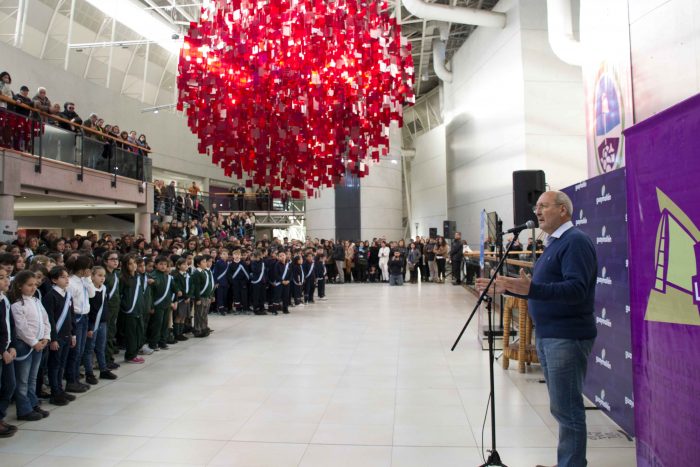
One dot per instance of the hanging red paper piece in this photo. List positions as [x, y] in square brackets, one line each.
[294, 93]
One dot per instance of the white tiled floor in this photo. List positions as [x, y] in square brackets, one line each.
[363, 379]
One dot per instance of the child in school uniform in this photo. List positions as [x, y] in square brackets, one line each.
[257, 283]
[59, 307]
[321, 276]
[274, 278]
[110, 261]
[8, 354]
[309, 278]
[97, 330]
[183, 294]
[81, 291]
[210, 291]
[143, 268]
[161, 293]
[239, 283]
[200, 286]
[285, 278]
[298, 281]
[43, 285]
[132, 307]
[33, 332]
[220, 271]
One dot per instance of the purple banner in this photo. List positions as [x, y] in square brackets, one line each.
[600, 211]
[663, 168]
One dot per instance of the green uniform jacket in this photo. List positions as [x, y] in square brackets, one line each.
[182, 283]
[147, 292]
[210, 289]
[110, 280]
[163, 285]
[201, 285]
[131, 296]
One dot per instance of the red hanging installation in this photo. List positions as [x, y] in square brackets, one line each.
[294, 94]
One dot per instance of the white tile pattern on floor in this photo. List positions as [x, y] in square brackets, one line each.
[364, 379]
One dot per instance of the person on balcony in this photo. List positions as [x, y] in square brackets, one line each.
[70, 115]
[5, 88]
[41, 100]
[23, 98]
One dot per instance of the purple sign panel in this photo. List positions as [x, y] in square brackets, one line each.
[663, 168]
[600, 210]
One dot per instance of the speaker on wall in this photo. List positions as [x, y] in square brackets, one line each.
[528, 185]
[448, 229]
[432, 232]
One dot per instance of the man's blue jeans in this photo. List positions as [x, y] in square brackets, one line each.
[76, 353]
[96, 344]
[564, 364]
[25, 373]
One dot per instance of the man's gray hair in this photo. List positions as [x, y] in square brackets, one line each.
[563, 199]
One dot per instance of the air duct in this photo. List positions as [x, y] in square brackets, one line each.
[453, 14]
[561, 33]
[439, 61]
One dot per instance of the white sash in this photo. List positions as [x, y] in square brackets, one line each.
[102, 289]
[311, 269]
[223, 273]
[114, 287]
[262, 273]
[165, 294]
[137, 291]
[286, 268]
[64, 312]
[7, 321]
[187, 282]
[145, 283]
[241, 268]
[206, 284]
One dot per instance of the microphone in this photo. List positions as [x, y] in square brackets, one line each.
[519, 228]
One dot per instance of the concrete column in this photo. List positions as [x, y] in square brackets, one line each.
[7, 207]
[320, 215]
[142, 223]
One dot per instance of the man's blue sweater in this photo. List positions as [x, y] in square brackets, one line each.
[561, 298]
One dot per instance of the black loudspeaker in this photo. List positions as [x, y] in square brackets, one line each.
[528, 185]
[448, 229]
[432, 232]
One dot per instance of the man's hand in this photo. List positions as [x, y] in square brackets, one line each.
[73, 341]
[54, 346]
[517, 285]
[7, 357]
[482, 282]
[90, 334]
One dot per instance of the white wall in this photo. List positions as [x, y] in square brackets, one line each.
[665, 43]
[381, 201]
[320, 215]
[174, 147]
[485, 124]
[555, 126]
[428, 187]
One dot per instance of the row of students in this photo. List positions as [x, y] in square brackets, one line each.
[247, 283]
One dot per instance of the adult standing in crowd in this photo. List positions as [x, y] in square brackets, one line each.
[339, 258]
[561, 297]
[384, 252]
[441, 252]
[456, 255]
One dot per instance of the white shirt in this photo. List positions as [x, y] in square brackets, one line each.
[31, 321]
[81, 290]
[60, 291]
[384, 252]
[559, 232]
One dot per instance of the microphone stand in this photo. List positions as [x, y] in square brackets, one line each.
[494, 459]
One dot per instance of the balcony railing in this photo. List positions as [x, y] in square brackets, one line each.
[83, 147]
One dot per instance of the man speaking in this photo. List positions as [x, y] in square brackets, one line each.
[561, 302]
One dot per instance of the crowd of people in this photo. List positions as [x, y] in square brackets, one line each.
[68, 118]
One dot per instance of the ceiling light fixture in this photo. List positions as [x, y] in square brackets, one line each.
[141, 21]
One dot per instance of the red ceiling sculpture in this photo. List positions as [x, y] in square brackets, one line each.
[294, 93]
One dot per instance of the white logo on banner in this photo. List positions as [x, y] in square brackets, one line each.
[627, 309]
[629, 401]
[603, 198]
[581, 220]
[600, 400]
[602, 361]
[628, 355]
[602, 319]
[603, 238]
[580, 186]
[604, 279]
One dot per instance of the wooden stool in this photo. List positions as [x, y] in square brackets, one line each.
[522, 349]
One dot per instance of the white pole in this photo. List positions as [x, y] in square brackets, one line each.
[111, 52]
[70, 34]
[145, 72]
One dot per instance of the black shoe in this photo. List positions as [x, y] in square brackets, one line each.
[107, 375]
[42, 412]
[91, 379]
[75, 387]
[59, 399]
[30, 417]
[6, 432]
[43, 395]
[260, 312]
[199, 334]
[181, 338]
[163, 346]
[112, 366]
[69, 397]
[286, 312]
[171, 340]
